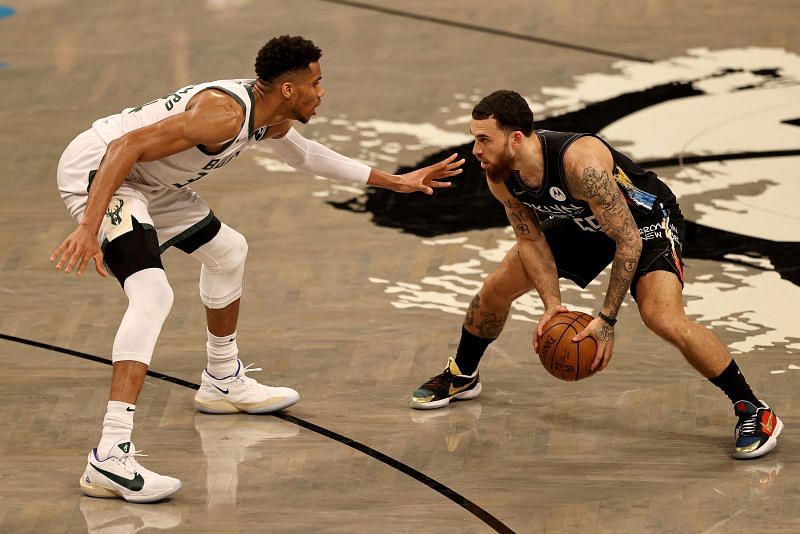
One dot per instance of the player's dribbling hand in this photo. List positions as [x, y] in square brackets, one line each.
[546, 316]
[427, 178]
[603, 333]
[77, 249]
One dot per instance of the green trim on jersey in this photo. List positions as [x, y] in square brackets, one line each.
[201, 148]
[188, 232]
[251, 126]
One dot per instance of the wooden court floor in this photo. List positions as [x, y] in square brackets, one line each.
[355, 314]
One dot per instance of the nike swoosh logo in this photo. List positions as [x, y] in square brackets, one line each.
[130, 409]
[225, 391]
[452, 391]
[770, 424]
[134, 484]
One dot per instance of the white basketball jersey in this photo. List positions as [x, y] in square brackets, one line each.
[183, 168]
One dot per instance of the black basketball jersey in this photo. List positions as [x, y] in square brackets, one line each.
[642, 189]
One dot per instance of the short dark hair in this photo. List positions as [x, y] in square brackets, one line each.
[508, 108]
[285, 54]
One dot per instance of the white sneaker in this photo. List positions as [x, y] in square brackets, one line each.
[121, 476]
[240, 393]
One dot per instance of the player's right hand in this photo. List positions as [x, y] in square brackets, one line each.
[77, 249]
[546, 316]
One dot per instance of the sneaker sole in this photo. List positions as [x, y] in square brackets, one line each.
[768, 446]
[464, 395]
[102, 492]
[222, 406]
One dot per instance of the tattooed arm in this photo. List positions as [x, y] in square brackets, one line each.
[589, 171]
[532, 247]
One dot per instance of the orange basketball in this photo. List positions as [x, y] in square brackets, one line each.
[562, 357]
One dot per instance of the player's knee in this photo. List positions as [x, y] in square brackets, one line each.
[226, 252]
[150, 296]
[222, 271]
[667, 326]
[496, 292]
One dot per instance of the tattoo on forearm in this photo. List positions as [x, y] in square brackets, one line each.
[617, 222]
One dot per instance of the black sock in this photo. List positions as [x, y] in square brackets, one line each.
[470, 350]
[732, 382]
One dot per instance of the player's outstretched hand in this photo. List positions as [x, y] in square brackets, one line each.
[427, 178]
[77, 249]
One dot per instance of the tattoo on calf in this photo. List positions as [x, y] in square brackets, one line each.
[491, 325]
[474, 305]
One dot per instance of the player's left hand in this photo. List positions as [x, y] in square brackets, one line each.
[427, 178]
[603, 333]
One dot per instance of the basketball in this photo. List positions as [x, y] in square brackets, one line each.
[562, 357]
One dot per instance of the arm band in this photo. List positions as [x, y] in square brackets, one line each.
[314, 158]
[607, 319]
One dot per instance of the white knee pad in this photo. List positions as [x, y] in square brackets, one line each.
[149, 302]
[222, 271]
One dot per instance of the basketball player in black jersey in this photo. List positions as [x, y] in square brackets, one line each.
[576, 205]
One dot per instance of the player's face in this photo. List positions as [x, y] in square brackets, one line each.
[309, 93]
[491, 148]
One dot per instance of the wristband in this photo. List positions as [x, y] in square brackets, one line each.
[607, 319]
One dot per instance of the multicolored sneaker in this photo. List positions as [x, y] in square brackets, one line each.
[121, 476]
[756, 431]
[240, 393]
[450, 385]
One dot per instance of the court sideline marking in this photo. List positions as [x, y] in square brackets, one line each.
[460, 500]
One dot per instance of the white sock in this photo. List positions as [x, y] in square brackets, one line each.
[223, 355]
[117, 426]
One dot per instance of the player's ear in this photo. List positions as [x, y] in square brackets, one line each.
[287, 89]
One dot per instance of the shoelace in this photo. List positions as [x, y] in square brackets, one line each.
[247, 369]
[129, 462]
[436, 381]
[748, 426]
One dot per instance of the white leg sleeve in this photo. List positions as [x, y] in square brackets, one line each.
[149, 303]
[314, 158]
[222, 271]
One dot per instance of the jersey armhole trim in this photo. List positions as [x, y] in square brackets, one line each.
[233, 95]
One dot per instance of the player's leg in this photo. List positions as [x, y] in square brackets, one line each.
[484, 320]
[190, 226]
[659, 294]
[131, 253]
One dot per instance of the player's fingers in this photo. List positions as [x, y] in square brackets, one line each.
[74, 258]
[583, 334]
[57, 252]
[598, 357]
[82, 265]
[606, 357]
[99, 266]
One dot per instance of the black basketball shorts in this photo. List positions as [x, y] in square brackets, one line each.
[582, 255]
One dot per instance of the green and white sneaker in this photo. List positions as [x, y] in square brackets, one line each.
[439, 390]
[121, 476]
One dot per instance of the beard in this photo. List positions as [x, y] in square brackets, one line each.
[498, 171]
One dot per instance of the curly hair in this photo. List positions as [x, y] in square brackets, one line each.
[285, 54]
[509, 109]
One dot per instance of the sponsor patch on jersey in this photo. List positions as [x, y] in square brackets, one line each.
[557, 194]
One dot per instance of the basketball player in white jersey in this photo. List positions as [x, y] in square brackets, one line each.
[125, 180]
